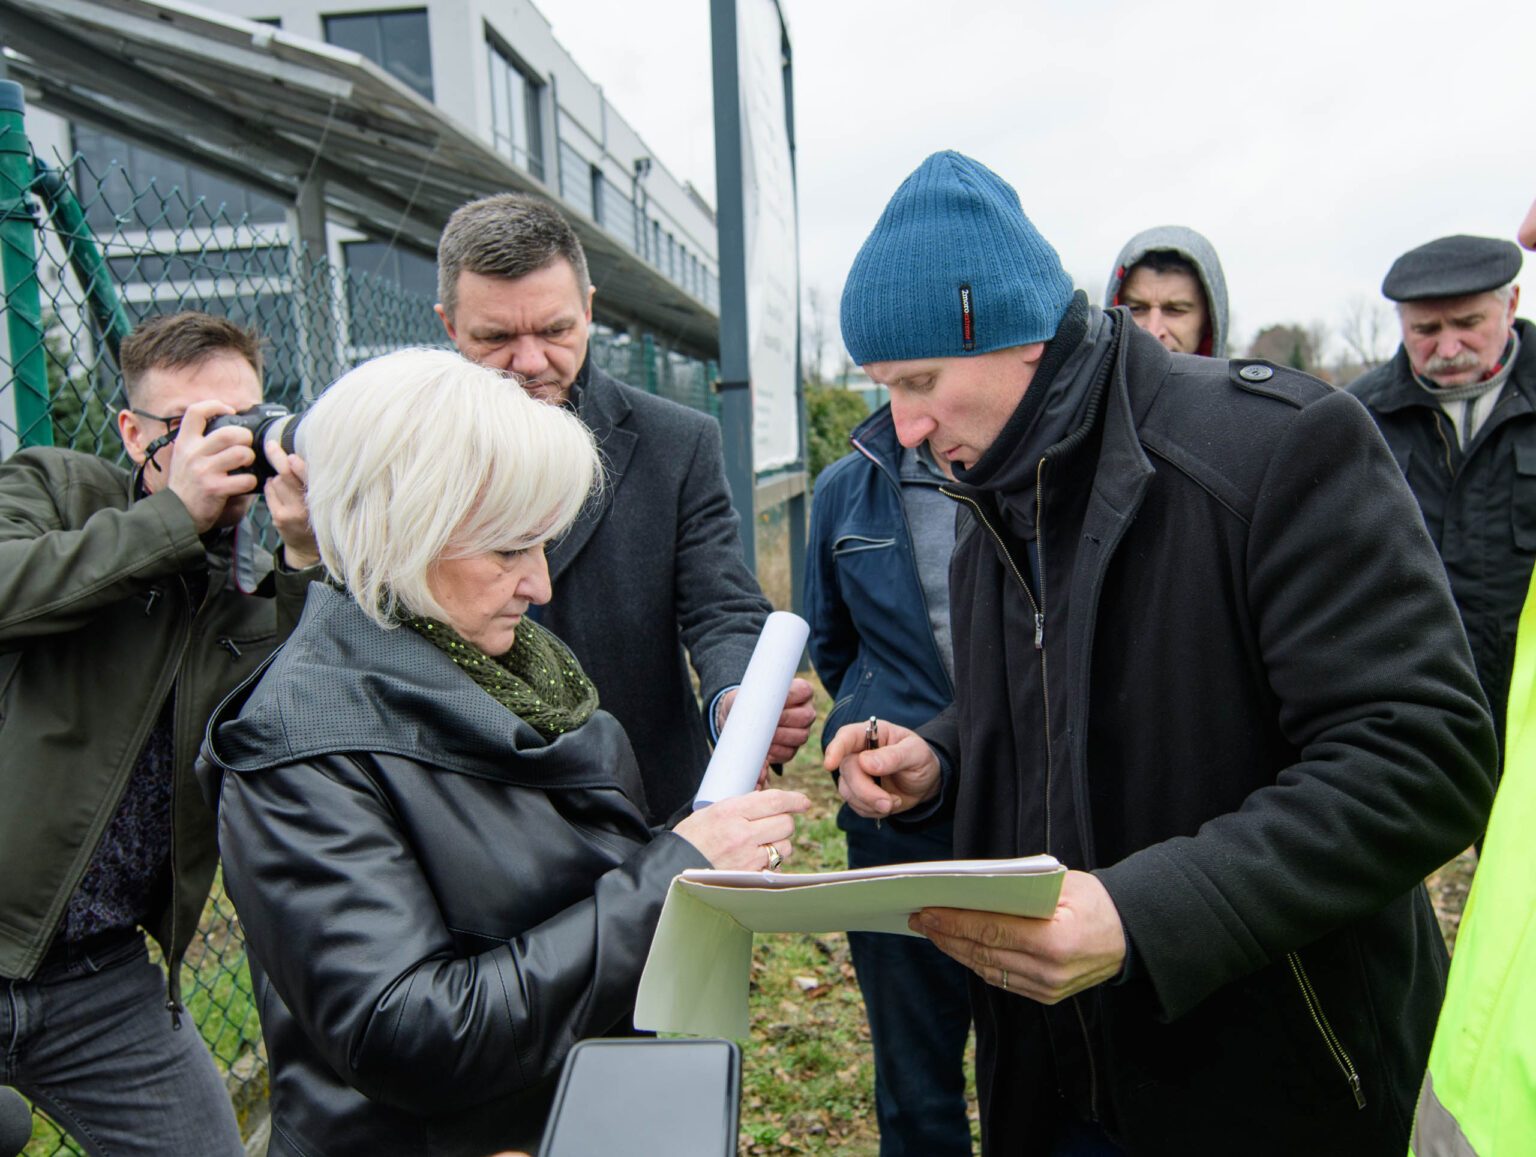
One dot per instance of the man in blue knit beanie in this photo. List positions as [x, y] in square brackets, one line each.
[1206, 656]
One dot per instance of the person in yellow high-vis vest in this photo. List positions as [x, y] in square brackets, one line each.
[1479, 1095]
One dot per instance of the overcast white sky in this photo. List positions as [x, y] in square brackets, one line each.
[1311, 140]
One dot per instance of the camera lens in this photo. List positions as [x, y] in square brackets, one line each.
[267, 421]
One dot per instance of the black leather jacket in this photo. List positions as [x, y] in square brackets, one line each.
[437, 903]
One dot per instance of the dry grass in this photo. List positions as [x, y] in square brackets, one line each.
[807, 1073]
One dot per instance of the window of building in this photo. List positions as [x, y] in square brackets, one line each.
[599, 210]
[516, 129]
[396, 41]
[389, 295]
[575, 178]
[124, 185]
[410, 271]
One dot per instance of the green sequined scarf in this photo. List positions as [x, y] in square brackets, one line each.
[538, 680]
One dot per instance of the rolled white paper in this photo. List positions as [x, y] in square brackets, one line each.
[749, 728]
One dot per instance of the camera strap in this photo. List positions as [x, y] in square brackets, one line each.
[156, 446]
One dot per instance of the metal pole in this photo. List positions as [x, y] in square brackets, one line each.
[798, 521]
[319, 341]
[735, 387]
[28, 361]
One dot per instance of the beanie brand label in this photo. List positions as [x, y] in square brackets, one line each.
[967, 319]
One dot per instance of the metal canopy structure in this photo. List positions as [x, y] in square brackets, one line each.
[322, 128]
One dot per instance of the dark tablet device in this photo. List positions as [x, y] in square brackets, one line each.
[642, 1097]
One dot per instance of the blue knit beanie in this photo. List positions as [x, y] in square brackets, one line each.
[952, 268]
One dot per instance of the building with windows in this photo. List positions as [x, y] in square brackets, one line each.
[498, 72]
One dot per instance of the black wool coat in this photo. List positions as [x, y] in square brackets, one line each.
[1479, 503]
[1253, 714]
[652, 577]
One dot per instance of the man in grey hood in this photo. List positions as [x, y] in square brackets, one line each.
[1170, 278]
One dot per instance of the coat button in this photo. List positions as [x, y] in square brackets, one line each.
[1256, 373]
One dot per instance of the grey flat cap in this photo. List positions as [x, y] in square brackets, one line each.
[1452, 267]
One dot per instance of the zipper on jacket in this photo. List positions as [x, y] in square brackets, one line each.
[1440, 419]
[228, 644]
[1093, 1071]
[1045, 683]
[1320, 1019]
[149, 603]
[1077, 1004]
[173, 967]
[1039, 609]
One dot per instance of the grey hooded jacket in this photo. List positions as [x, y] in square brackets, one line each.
[1193, 248]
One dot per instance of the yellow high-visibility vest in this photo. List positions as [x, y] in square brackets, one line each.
[1479, 1095]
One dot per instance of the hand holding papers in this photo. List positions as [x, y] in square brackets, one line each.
[748, 731]
[695, 979]
[1046, 960]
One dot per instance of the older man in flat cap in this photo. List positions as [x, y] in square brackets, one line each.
[1458, 407]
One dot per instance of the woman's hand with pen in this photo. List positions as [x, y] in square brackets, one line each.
[899, 773]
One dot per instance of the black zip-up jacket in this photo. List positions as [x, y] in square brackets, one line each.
[437, 903]
[1479, 504]
[1252, 712]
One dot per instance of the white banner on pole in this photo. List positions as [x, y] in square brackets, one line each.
[772, 243]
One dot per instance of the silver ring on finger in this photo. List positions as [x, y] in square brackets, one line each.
[774, 859]
[1005, 980]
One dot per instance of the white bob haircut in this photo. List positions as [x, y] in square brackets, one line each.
[421, 455]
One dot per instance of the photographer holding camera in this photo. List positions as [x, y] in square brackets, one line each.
[122, 626]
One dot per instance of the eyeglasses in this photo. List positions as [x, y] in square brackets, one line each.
[172, 425]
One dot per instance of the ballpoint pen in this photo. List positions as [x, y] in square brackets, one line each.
[872, 741]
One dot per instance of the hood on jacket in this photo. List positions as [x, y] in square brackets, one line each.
[1195, 249]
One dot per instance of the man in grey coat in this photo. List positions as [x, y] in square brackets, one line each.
[1170, 278]
[652, 576]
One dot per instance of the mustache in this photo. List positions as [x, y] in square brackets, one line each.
[1466, 360]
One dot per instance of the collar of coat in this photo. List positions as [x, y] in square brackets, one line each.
[1393, 386]
[600, 402]
[342, 683]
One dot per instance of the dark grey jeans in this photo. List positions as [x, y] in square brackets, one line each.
[89, 1040]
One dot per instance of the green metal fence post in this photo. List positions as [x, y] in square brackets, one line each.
[84, 257]
[18, 274]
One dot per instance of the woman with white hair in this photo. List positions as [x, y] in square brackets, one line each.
[434, 838]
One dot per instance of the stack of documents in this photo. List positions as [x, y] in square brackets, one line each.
[696, 977]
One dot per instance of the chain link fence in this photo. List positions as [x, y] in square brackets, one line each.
[87, 250]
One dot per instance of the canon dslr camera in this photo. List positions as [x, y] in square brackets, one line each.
[267, 422]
